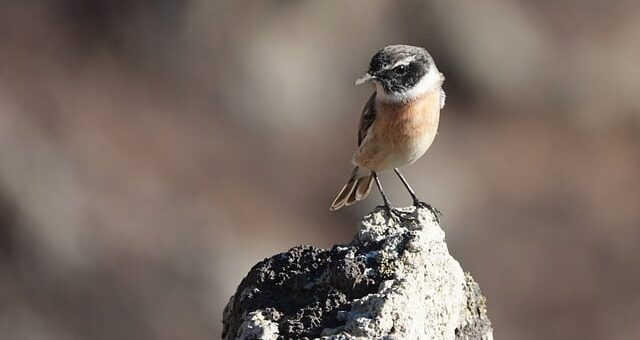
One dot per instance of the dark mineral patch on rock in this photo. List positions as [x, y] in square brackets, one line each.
[304, 288]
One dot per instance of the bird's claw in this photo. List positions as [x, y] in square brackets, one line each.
[397, 215]
[436, 213]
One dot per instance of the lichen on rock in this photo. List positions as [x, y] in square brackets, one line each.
[393, 280]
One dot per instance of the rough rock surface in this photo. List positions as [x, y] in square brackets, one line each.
[393, 281]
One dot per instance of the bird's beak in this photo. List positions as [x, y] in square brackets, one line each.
[365, 78]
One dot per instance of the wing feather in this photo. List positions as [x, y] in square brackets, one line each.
[367, 118]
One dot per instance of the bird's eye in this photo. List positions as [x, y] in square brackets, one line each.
[400, 69]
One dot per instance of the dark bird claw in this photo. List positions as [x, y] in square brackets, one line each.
[436, 213]
[398, 215]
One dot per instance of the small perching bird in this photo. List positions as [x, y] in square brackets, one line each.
[398, 123]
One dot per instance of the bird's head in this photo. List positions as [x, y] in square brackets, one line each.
[402, 72]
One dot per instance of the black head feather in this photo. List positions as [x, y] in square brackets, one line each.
[398, 68]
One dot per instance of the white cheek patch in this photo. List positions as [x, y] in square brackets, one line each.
[430, 81]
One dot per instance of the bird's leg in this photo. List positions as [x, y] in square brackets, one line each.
[416, 201]
[392, 213]
[387, 206]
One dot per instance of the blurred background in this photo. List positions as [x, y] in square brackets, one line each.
[152, 151]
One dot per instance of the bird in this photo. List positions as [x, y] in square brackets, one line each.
[398, 124]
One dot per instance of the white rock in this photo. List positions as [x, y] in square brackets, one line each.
[419, 290]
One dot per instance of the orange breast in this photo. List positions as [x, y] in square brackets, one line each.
[401, 133]
[401, 124]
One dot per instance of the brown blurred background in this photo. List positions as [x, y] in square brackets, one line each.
[152, 151]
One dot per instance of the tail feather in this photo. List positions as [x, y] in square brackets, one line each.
[352, 196]
[364, 187]
[355, 190]
[343, 195]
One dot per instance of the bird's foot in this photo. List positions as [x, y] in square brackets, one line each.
[436, 213]
[397, 215]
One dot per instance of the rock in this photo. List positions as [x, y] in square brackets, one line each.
[395, 280]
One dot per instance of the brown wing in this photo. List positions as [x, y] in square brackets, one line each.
[366, 118]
